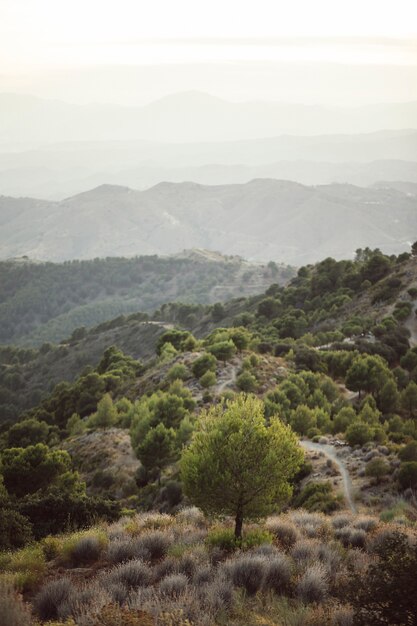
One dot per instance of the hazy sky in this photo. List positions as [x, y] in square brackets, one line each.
[84, 50]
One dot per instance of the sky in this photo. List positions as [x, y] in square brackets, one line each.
[132, 51]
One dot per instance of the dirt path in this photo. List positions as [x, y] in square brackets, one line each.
[411, 325]
[331, 452]
[231, 378]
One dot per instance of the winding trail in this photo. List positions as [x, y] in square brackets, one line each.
[411, 324]
[229, 381]
[331, 452]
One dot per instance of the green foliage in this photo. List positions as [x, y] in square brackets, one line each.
[157, 449]
[317, 497]
[178, 372]
[27, 470]
[386, 595]
[223, 350]
[246, 382]
[27, 432]
[206, 362]
[303, 419]
[236, 464]
[408, 399]
[106, 414]
[407, 476]
[377, 468]
[408, 452]
[179, 339]
[358, 434]
[208, 379]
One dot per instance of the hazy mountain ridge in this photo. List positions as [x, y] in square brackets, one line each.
[262, 220]
[58, 170]
[188, 116]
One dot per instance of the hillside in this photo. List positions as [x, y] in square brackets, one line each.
[94, 490]
[261, 220]
[41, 302]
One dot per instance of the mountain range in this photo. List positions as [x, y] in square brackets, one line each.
[262, 220]
[188, 116]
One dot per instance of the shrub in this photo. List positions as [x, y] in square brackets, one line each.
[13, 611]
[358, 433]
[408, 452]
[285, 532]
[317, 497]
[365, 523]
[178, 372]
[155, 543]
[256, 537]
[132, 574]
[122, 550]
[28, 567]
[50, 598]
[313, 584]
[80, 550]
[341, 521]
[248, 572]
[407, 476]
[15, 529]
[377, 468]
[387, 593]
[223, 538]
[191, 515]
[304, 551]
[246, 382]
[173, 585]
[351, 537]
[204, 363]
[278, 574]
[208, 380]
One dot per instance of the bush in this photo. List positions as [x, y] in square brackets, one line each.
[133, 574]
[248, 572]
[313, 584]
[204, 363]
[15, 529]
[223, 538]
[50, 598]
[317, 497]
[208, 380]
[408, 452]
[377, 468]
[253, 538]
[285, 532]
[351, 537]
[358, 433]
[84, 549]
[246, 382]
[387, 593]
[178, 372]
[27, 565]
[407, 476]
[155, 544]
[278, 574]
[173, 585]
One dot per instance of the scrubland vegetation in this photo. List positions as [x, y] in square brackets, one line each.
[298, 568]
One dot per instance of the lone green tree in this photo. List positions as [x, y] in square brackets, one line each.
[237, 465]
